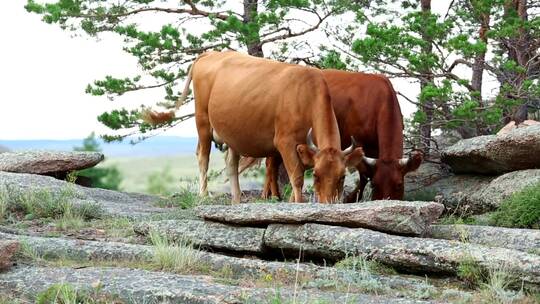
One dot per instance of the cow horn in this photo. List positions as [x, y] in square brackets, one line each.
[350, 148]
[370, 161]
[310, 143]
[403, 161]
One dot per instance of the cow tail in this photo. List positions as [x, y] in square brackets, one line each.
[159, 118]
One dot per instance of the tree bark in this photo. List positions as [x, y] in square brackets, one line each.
[427, 105]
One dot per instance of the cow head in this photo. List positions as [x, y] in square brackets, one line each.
[388, 175]
[329, 167]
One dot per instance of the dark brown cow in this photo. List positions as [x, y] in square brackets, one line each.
[366, 108]
[262, 108]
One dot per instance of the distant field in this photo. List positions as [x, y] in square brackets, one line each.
[137, 170]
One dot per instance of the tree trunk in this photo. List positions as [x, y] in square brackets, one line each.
[427, 105]
[254, 47]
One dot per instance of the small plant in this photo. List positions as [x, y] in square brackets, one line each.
[170, 256]
[64, 293]
[362, 274]
[520, 210]
[358, 262]
[471, 272]
[496, 288]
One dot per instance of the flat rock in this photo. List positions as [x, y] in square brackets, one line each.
[141, 286]
[527, 240]
[415, 254]
[7, 249]
[113, 203]
[241, 267]
[496, 154]
[400, 217]
[47, 162]
[208, 234]
[467, 194]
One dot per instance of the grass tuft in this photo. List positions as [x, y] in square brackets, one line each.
[520, 210]
[174, 257]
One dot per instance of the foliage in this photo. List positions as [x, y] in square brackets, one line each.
[106, 178]
[520, 210]
[186, 29]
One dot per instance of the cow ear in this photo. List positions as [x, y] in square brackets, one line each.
[355, 160]
[414, 161]
[306, 155]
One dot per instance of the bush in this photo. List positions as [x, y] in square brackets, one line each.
[521, 210]
[106, 178]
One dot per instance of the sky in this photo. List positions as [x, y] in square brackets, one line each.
[45, 70]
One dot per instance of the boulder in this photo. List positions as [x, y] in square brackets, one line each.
[527, 240]
[7, 250]
[111, 203]
[47, 162]
[142, 286]
[207, 234]
[475, 194]
[414, 254]
[496, 154]
[398, 217]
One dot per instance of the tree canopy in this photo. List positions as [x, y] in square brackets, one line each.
[450, 56]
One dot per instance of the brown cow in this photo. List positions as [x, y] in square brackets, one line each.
[263, 108]
[366, 108]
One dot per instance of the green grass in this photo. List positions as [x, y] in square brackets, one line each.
[174, 256]
[43, 204]
[520, 210]
[64, 293]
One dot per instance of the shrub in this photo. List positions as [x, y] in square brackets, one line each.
[520, 210]
[106, 178]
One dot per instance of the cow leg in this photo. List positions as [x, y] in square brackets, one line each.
[203, 153]
[232, 159]
[271, 188]
[295, 169]
[358, 192]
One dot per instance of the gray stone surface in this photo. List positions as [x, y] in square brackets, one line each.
[527, 240]
[208, 234]
[474, 194]
[47, 162]
[112, 202]
[240, 267]
[400, 217]
[416, 254]
[140, 286]
[496, 154]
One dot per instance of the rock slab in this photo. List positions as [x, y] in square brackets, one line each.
[399, 217]
[415, 254]
[208, 234]
[141, 286]
[527, 240]
[7, 250]
[496, 154]
[47, 162]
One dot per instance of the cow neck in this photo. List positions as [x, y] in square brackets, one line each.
[390, 131]
[325, 127]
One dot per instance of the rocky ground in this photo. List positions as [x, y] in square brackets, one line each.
[64, 243]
